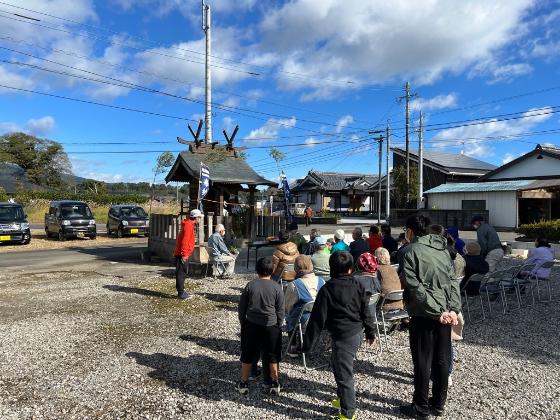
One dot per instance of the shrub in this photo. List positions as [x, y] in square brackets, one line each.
[25, 197]
[3, 195]
[549, 229]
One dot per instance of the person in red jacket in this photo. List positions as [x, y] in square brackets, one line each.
[184, 248]
[375, 240]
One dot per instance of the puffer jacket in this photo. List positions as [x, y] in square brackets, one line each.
[428, 273]
[285, 253]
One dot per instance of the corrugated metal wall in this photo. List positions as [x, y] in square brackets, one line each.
[502, 205]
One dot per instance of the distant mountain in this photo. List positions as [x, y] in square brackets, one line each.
[14, 178]
[72, 179]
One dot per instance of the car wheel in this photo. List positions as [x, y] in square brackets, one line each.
[120, 232]
[26, 242]
[92, 237]
[61, 236]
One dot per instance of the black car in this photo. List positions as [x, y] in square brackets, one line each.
[13, 224]
[70, 219]
[127, 219]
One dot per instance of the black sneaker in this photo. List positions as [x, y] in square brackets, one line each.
[243, 388]
[436, 412]
[410, 411]
[275, 388]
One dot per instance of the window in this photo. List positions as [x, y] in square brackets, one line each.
[311, 198]
[473, 205]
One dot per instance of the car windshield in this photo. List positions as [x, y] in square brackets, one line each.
[11, 213]
[133, 212]
[75, 211]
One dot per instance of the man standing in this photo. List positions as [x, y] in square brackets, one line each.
[219, 249]
[490, 245]
[184, 248]
[433, 301]
[308, 214]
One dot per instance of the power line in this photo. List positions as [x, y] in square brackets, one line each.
[96, 103]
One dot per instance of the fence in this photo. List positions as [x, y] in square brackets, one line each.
[164, 229]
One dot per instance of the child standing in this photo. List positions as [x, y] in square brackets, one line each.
[261, 313]
[342, 307]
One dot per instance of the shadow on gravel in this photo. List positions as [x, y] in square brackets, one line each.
[138, 291]
[222, 298]
[214, 380]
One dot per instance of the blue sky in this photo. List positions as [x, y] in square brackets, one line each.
[298, 72]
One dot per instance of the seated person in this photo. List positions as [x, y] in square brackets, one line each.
[220, 250]
[286, 253]
[359, 245]
[474, 264]
[459, 243]
[330, 243]
[539, 255]
[299, 292]
[388, 278]
[367, 274]
[339, 244]
[389, 243]
[374, 239]
[297, 238]
[320, 258]
[310, 250]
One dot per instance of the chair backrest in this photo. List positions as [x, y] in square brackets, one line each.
[527, 267]
[392, 296]
[475, 277]
[288, 267]
[547, 265]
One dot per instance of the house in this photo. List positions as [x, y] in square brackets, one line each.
[442, 167]
[335, 191]
[522, 191]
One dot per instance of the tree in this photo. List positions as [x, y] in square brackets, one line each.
[44, 161]
[3, 195]
[278, 156]
[93, 186]
[163, 162]
[399, 177]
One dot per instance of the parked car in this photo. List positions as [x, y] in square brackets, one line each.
[127, 220]
[14, 227]
[70, 219]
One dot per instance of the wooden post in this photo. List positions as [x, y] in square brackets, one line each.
[251, 219]
[210, 218]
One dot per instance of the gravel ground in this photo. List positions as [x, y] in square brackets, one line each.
[117, 344]
[40, 241]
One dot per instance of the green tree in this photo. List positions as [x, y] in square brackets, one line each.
[44, 161]
[278, 156]
[94, 187]
[163, 162]
[399, 177]
[3, 195]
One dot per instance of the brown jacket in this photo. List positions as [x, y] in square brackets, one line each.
[389, 281]
[285, 253]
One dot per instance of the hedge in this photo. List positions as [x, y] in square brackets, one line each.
[549, 229]
[25, 197]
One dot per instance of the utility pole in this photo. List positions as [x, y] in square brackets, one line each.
[379, 139]
[420, 161]
[388, 198]
[206, 25]
[407, 96]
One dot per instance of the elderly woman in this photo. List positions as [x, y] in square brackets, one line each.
[388, 278]
[302, 290]
[286, 253]
[367, 274]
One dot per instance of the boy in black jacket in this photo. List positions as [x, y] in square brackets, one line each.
[342, 307]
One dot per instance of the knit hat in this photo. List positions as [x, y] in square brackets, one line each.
[339, 234]
[367, 263]
[473, 248]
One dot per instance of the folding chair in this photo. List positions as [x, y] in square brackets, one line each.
[491, 285]
[507, 282]
[547, 265]
[215, 259]
[287, 268]
[372, 308]
[299, 329]
[390, 317]
[463, 289]
[525, 282]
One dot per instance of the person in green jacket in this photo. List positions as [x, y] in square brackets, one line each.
[433, 301]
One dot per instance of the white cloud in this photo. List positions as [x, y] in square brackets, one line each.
[15, 80]
[343, 122]
[374, 42]
[437, 102]
[229, 124]
[473, 136]
[311, 142]
[508, 72]
[270, 130]
[40, 126]
[36, 127]
[508, 157]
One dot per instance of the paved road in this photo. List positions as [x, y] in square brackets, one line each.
[41, 226]
[68, 258]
